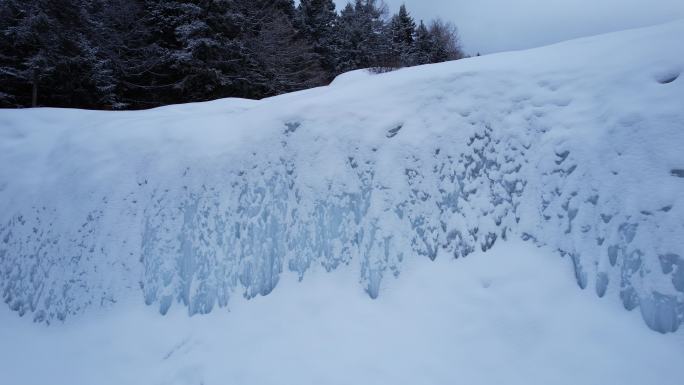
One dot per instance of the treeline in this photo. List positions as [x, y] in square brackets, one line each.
[131, 54]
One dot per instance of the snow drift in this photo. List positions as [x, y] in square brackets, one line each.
[576, 146]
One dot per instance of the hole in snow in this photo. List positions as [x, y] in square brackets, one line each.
[666, 209]
[668, 77]
[291, 127]
[678, 173]
[393, 132]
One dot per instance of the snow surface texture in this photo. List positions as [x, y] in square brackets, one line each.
[577, 146]
[512, 315]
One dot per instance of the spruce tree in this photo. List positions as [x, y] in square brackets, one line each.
[400, 33]
[349, 40]
[145, 53]
[317, 22]
[127, 51]
[424, 45]
[194, 41]
[30, 50]
[52, 60]
[360, 31]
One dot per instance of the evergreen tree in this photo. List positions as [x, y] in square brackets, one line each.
[349, 36]
[361, 35]
[129, 54]
[424, 45]
[194, 41]
[317, 22]
[51, 54]
[25, 57]
[401, 32]
[145, 53]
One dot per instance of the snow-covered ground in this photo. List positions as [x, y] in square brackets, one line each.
[195, 208]
[509, 316]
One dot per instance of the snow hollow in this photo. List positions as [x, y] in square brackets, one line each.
[578, 147]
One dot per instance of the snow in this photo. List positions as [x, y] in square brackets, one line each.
[575, 146]
[352, 77]
[512, 315]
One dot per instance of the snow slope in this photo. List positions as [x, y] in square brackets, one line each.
[576, 146]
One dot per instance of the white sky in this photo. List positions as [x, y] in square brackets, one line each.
[500, 25]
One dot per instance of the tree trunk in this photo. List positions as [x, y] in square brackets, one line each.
[34, 93]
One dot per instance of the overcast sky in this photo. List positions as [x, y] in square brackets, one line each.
[499, 25]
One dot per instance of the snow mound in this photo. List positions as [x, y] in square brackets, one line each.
[351, 77]
[577, 146]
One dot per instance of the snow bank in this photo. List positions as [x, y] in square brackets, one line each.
[577, 146]
[512, 315]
